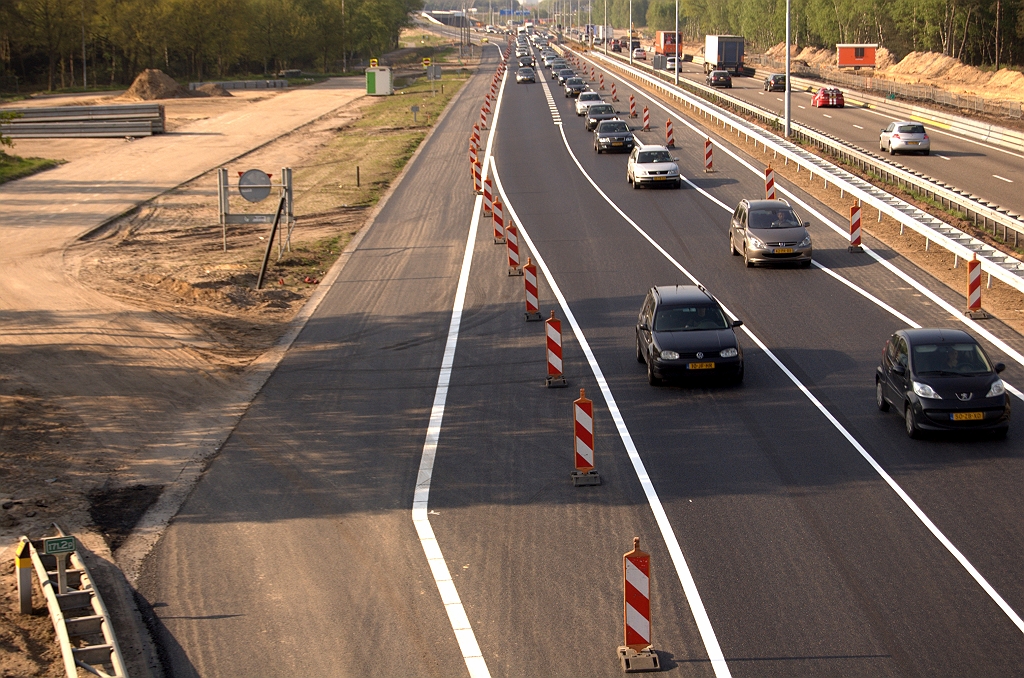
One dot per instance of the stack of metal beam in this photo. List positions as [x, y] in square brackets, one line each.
[126, 120]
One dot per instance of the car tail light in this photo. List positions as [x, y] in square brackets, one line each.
[925, 136]
[895, 136]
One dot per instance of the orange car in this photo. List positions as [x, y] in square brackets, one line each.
[828, 97]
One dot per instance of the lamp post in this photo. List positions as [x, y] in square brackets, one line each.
[604, 31]
[676, 39]
[789, 89]
[629, 38]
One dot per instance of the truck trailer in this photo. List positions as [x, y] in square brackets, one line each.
[665, 43]
[723, 53]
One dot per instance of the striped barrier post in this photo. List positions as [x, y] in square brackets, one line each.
[498, 217]
[769, 183]
[583, 442]
[632, 106]
[636, 653]
[553, 332]
[530, 283]
[602, 80]
[615, 95]
[487, 105]
[477, 184]
[709, 156]
[974, 290]
[670, 137]
[472, 154]
[647, 120]
[483, 119]
[512, 245]
[855, 230]
[488, 200]
[475, 136]
[23, 564]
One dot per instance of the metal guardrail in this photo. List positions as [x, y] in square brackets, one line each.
[903, 90]
[84, 632]
[85, 121]
[997, 264]
[243, 84]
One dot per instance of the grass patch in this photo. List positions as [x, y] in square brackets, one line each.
[15, 167]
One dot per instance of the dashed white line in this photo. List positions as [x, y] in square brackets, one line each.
[826, 115]
[944, 157]
[1009, 181]
[858, 127]
[457, 616]
[803, 107]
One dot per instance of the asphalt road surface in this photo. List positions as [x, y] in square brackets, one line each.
[991, 172]
[819, 539]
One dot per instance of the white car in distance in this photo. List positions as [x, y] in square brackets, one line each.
[585, 100]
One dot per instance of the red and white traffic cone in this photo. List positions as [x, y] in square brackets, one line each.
[769, 183]
[647, 120]
[498, 218]
[709, 156]
[512, 245]
[615, 96]
[601, 75]
[488, 199]
[855, 230]
[670, 137]
[974, 289]
[530, 283]
[583, 442]
[483, 119]
[472, 153]
[636, 653]
[632, 106]
[475, 136]
[553, 334]
[477, 182]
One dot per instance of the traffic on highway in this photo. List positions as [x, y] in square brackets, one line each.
[813, 445]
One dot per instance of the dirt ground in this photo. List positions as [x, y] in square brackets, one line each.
[167, 256]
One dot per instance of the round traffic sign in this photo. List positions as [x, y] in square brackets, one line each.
[254, 185]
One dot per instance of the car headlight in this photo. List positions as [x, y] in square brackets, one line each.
[729, 353]
[639, 172]
[997, 389]
[604, 140]
[755, 242]
[669, 355]
[806, 242]
[925, 391]
[673, 172]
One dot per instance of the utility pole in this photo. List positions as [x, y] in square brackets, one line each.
[677, 43]
[629, 38]
[85, 79]
[604, 30]
[789, 89]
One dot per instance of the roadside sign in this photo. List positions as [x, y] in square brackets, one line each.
[254, 185]
[426, 62]
[434, 72]
[373, 63]
[57, 545]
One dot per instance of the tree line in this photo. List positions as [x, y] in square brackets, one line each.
[42, 42]
[978, 32]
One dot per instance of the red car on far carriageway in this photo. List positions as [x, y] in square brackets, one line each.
[828, 97]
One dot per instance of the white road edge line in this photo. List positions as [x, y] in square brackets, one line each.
[471, 653]
[934, 298]
[700, 615]
[910, 503]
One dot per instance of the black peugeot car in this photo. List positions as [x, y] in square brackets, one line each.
[941, 380]
[598, 113]
[613, 135]
[682, 331]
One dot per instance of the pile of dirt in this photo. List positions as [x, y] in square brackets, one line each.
[884, 58]
[153, 83]
[213, 89]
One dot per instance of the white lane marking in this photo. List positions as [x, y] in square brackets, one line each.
[910, 503]
[826, 115]
[803, 107]
[944, 157]
[700, 615]
[1009, 181]
[934, 298]
[858, 127]
[471, 654]
[778, 98]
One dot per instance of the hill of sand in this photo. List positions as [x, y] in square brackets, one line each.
[152, 84]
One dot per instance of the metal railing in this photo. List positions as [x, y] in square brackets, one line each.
[893, 89]
[136, 120]
[997, 264]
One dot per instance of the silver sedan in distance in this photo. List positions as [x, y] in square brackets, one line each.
[904, 137]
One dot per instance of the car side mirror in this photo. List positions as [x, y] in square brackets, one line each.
[675, 159]
[807, 224]
[737, 323]
[1000, 367]
[899, 369]
[881, 131]
[644, 326]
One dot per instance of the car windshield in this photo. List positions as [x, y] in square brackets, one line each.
[598, 109]
[590, 96]
[911, 129]
[613, 127]
[574, 82]
[525, 71]
[687, 318]
[654, 156]
[950, 360]
[777, 218]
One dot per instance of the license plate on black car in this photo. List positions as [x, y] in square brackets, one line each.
[967, 416]
[701, 366]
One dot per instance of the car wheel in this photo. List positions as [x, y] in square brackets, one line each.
[732, 247]
[883, 404]
[652, 378]
[678, 184]
[738, 379]
[639, 352]
[635, 184]
[746, 259]
[805, 264]
[881, 147]
[891, 150]
[1000, 433]
[911, 423]
[928, 152]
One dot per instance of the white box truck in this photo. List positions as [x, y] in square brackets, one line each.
[723, 53]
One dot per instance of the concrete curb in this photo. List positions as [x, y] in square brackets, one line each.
[153, 523]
